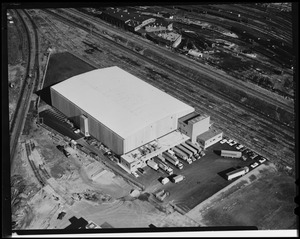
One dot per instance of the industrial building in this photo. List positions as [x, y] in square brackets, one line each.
[120, 110]
[169, 38]
[159, 25]
[126, 19]
[132, 118]
[193, 125]
[209, 138]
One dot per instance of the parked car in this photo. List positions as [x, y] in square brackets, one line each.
[135, 174]
[77, 131]
[262, 160]
[254, 156]
[223, 141]
[254, 165]
[233, 143]
[229, 141]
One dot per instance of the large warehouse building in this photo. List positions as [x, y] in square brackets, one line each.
[118, 108]
[134, 119]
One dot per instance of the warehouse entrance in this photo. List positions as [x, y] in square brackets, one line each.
[84, 125]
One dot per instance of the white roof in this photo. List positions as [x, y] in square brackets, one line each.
[119, 100]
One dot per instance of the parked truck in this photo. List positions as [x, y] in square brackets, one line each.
[187, 152]
[190, 148]
[236, 173]
[160, 158]
[177, 178]
[195, 146]
[231, 154]
[165, 168]
[152, 164]
[165, 181]
[180, 154]
[172, 160]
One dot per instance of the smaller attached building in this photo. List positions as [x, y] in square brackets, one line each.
[209, 138]
[194, 124]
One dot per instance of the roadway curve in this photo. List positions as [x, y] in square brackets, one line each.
[28, 87]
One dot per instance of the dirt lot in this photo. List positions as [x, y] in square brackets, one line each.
[263, 198]
[73, 174]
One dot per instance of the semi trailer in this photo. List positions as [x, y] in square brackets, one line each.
[236, 173]
[152, 164]
[172, 160]
[231, 154]
[165, 168]
[190, 148]
[177, 178]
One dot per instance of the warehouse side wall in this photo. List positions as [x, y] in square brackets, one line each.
[96, 128]
[151, 132]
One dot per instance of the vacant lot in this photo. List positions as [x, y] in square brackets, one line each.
[265, 200]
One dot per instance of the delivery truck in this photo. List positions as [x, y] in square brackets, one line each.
[180, 154]
[195, 146]
[190, 148]
[165, 181]
[172, 160]
[236, 173]
[152, 164]
[177, 178]
[231, 154]
[186, 152]
[165, 168]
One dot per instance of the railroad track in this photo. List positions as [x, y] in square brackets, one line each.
[208, 73]
[34, 168]
[228, 117]
[20, 100]
[36, 63]
[171, 72]
[26, 91]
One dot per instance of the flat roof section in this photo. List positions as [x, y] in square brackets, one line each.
[120, 100]
[209, 134]
[193, 117]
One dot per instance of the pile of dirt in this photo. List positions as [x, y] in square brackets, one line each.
[135, 193]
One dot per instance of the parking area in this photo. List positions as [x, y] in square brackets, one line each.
[203, 177]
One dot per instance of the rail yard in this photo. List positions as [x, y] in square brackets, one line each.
[224, 144]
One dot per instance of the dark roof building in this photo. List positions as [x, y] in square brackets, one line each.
[125, 18]
[77, 223]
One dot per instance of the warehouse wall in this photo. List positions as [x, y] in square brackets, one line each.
[111, 139]
[96, 129]
[207, 143]
[153, 131]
